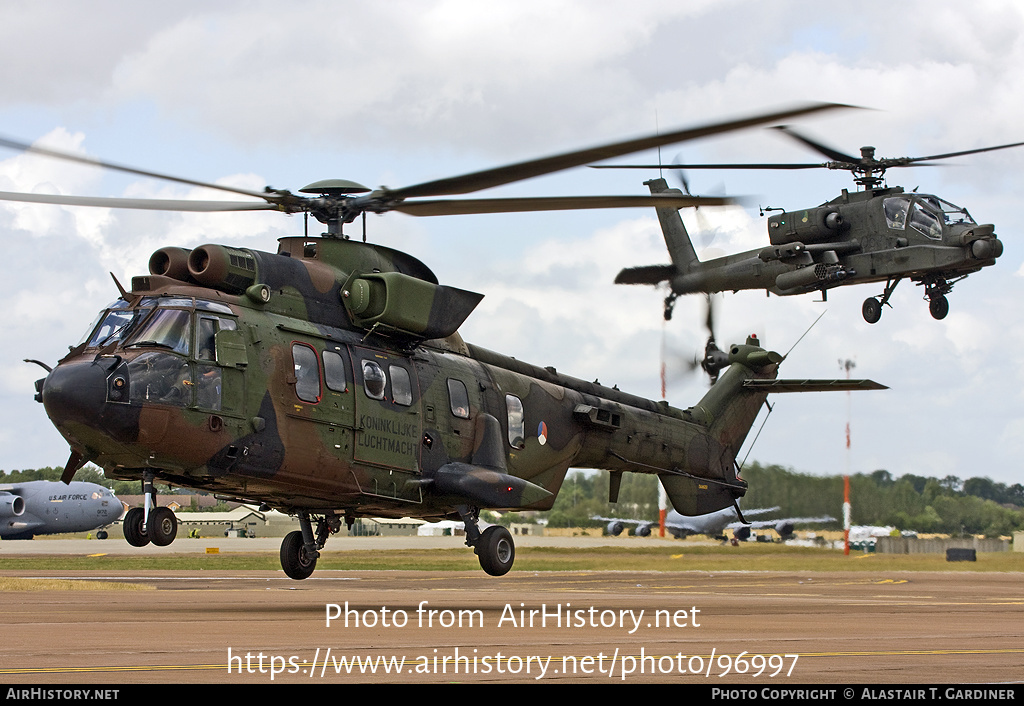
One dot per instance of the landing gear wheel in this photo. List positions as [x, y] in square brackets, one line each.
[872, 310]
[295, 560]
[162, 527]
[102, 534]
[938, 306]
[132, 526]
[496, 550]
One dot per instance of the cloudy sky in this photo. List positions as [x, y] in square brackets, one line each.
[397, 93]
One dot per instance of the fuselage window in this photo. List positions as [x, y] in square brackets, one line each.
[516, 421]
[334, 372]
[307, 373]
[401, 385]
[374, 380]
[459, 398]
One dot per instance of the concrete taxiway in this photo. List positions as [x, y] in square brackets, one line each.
[759, 629]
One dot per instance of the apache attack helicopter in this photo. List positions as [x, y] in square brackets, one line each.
[877, 234]
[328, 380]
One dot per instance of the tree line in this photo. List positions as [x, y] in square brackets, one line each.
[946, 505]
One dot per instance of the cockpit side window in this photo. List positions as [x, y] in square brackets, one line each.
[206, 335]
[896, 208]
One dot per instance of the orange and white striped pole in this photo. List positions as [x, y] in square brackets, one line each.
[846, 515]
[662, 509]
[848, 365]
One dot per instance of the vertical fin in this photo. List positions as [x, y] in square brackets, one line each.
[677, 240]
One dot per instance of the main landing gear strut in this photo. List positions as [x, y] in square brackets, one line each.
[149, 523]
[301, 548]
[935, 290]
[494, 546]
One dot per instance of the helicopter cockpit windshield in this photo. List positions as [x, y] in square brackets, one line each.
[166, 328]
[180, 329]
[115, 322]
[925, 213]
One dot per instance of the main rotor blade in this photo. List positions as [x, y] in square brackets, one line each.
[454, 207]
[145, 204]
[829, 152]
[960, 154]
[476, 181]
[708, 166]
[92, 161]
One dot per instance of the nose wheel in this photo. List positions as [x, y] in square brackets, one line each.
[132, 525]
[149, 523]
[162, 526]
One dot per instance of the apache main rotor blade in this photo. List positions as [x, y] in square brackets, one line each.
[92, 161]
[824, 149]
[454, 207]
[144, 204]
[708, 166]
[960, 154]
[476, 181]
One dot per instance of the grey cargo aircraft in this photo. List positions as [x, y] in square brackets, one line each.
[49, 507]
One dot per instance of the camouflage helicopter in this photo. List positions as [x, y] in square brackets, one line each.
[328, 380]
[877, 234]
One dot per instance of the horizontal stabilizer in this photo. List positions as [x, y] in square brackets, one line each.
[812, 385]
[647, 274]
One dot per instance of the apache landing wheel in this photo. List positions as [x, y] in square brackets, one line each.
[496, 550]
[872, 310]
[132, 526]
[162, 527]
[939, 306]
[295, 560]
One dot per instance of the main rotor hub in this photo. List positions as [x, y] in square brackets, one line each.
[334, 187]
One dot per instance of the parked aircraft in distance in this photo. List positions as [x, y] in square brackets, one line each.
[50, 507]
[714, 524]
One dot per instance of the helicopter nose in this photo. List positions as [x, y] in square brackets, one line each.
[75, 395]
